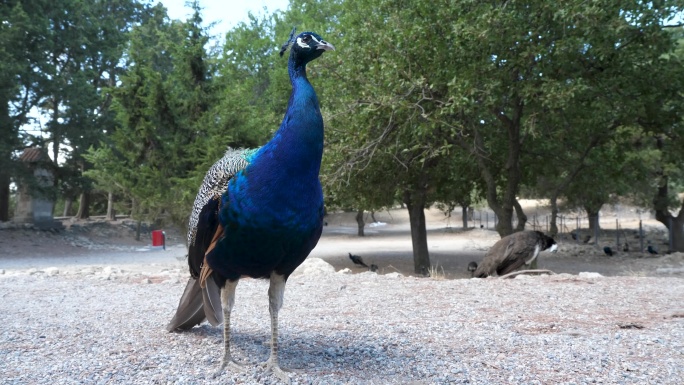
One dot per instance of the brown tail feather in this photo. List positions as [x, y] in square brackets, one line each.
[190, 310]
[201, 298]
[211, 295]
[205, 271]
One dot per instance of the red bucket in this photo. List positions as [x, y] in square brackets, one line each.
[158, 238]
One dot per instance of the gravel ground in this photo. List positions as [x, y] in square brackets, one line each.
[106, 325]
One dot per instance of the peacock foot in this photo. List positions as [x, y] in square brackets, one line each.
[279, 372]
[229, 365]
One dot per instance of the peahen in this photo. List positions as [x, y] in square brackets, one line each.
[258, 213]
[513, 251]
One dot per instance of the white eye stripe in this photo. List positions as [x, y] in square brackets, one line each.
[301, 43]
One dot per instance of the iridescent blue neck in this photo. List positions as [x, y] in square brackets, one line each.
[298, 142]
[302, 127]
[296, 70]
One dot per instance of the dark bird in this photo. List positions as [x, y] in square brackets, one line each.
[373, 267]
[472, 266]
[625, 247]
[608, 251]
[513, 251]
[574, 236]
[357, 260]
[258, 213]
[651, 250]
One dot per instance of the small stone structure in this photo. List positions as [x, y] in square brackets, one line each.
[32, 206]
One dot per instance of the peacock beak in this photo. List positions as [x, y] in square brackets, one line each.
[324, 45]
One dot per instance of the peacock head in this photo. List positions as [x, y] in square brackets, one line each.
[306, 46]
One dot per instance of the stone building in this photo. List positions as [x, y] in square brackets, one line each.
[34, 206]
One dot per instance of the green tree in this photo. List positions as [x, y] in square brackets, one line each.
[668, 182]
[19, 34]
[425, 79]
[384, 97]
[74, 52]
[162, 105]
[571, 71]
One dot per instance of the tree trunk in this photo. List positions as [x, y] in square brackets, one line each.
[68, 205]
[111, 215]
[677, 232]
[137, 230]
[553, 227]
[565, 182]
[502, 206]
[464, 215]
[360, 223]
[593, 214]
[675, 225]
[83, 206]
[56, 137]
[504, 225]
[373, 217]
[4, 196]
[415, 203]
[6, 147]
[522, 218]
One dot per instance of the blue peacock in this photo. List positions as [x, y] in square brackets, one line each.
[259, 212]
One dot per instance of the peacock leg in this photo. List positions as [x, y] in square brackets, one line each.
[227, 301]
[276, 291]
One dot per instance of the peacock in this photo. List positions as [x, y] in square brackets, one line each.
[513, 251]
[259, 212]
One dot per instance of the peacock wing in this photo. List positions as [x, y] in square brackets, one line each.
[197, 302]
[513, 257]
[204, 217]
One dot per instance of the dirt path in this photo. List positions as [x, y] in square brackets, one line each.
[89, 305]
[387, 244]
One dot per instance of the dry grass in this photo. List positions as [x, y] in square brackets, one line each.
[437, 272]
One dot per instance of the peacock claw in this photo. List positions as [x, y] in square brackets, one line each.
[278, 371]
[230, 364]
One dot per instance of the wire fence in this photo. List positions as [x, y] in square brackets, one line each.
[576, 228]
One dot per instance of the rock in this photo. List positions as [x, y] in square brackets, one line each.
[346, 270]
[146, 280]
[87, 271]
[586, 274]
[32, 271]
[393, 275]
[51, 271]
[109, 270]
[562, 276]
[314, 267]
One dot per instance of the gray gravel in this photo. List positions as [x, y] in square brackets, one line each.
[106, 325]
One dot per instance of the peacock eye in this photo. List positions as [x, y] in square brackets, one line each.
[306, 38]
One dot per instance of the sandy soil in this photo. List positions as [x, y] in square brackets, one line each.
[89, 305]
[386, 244]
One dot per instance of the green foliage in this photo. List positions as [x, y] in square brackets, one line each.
[453, 101]
[162, 108]
[527, 90]
[17, 94]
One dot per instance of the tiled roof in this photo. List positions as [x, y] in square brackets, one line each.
[34, 154]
